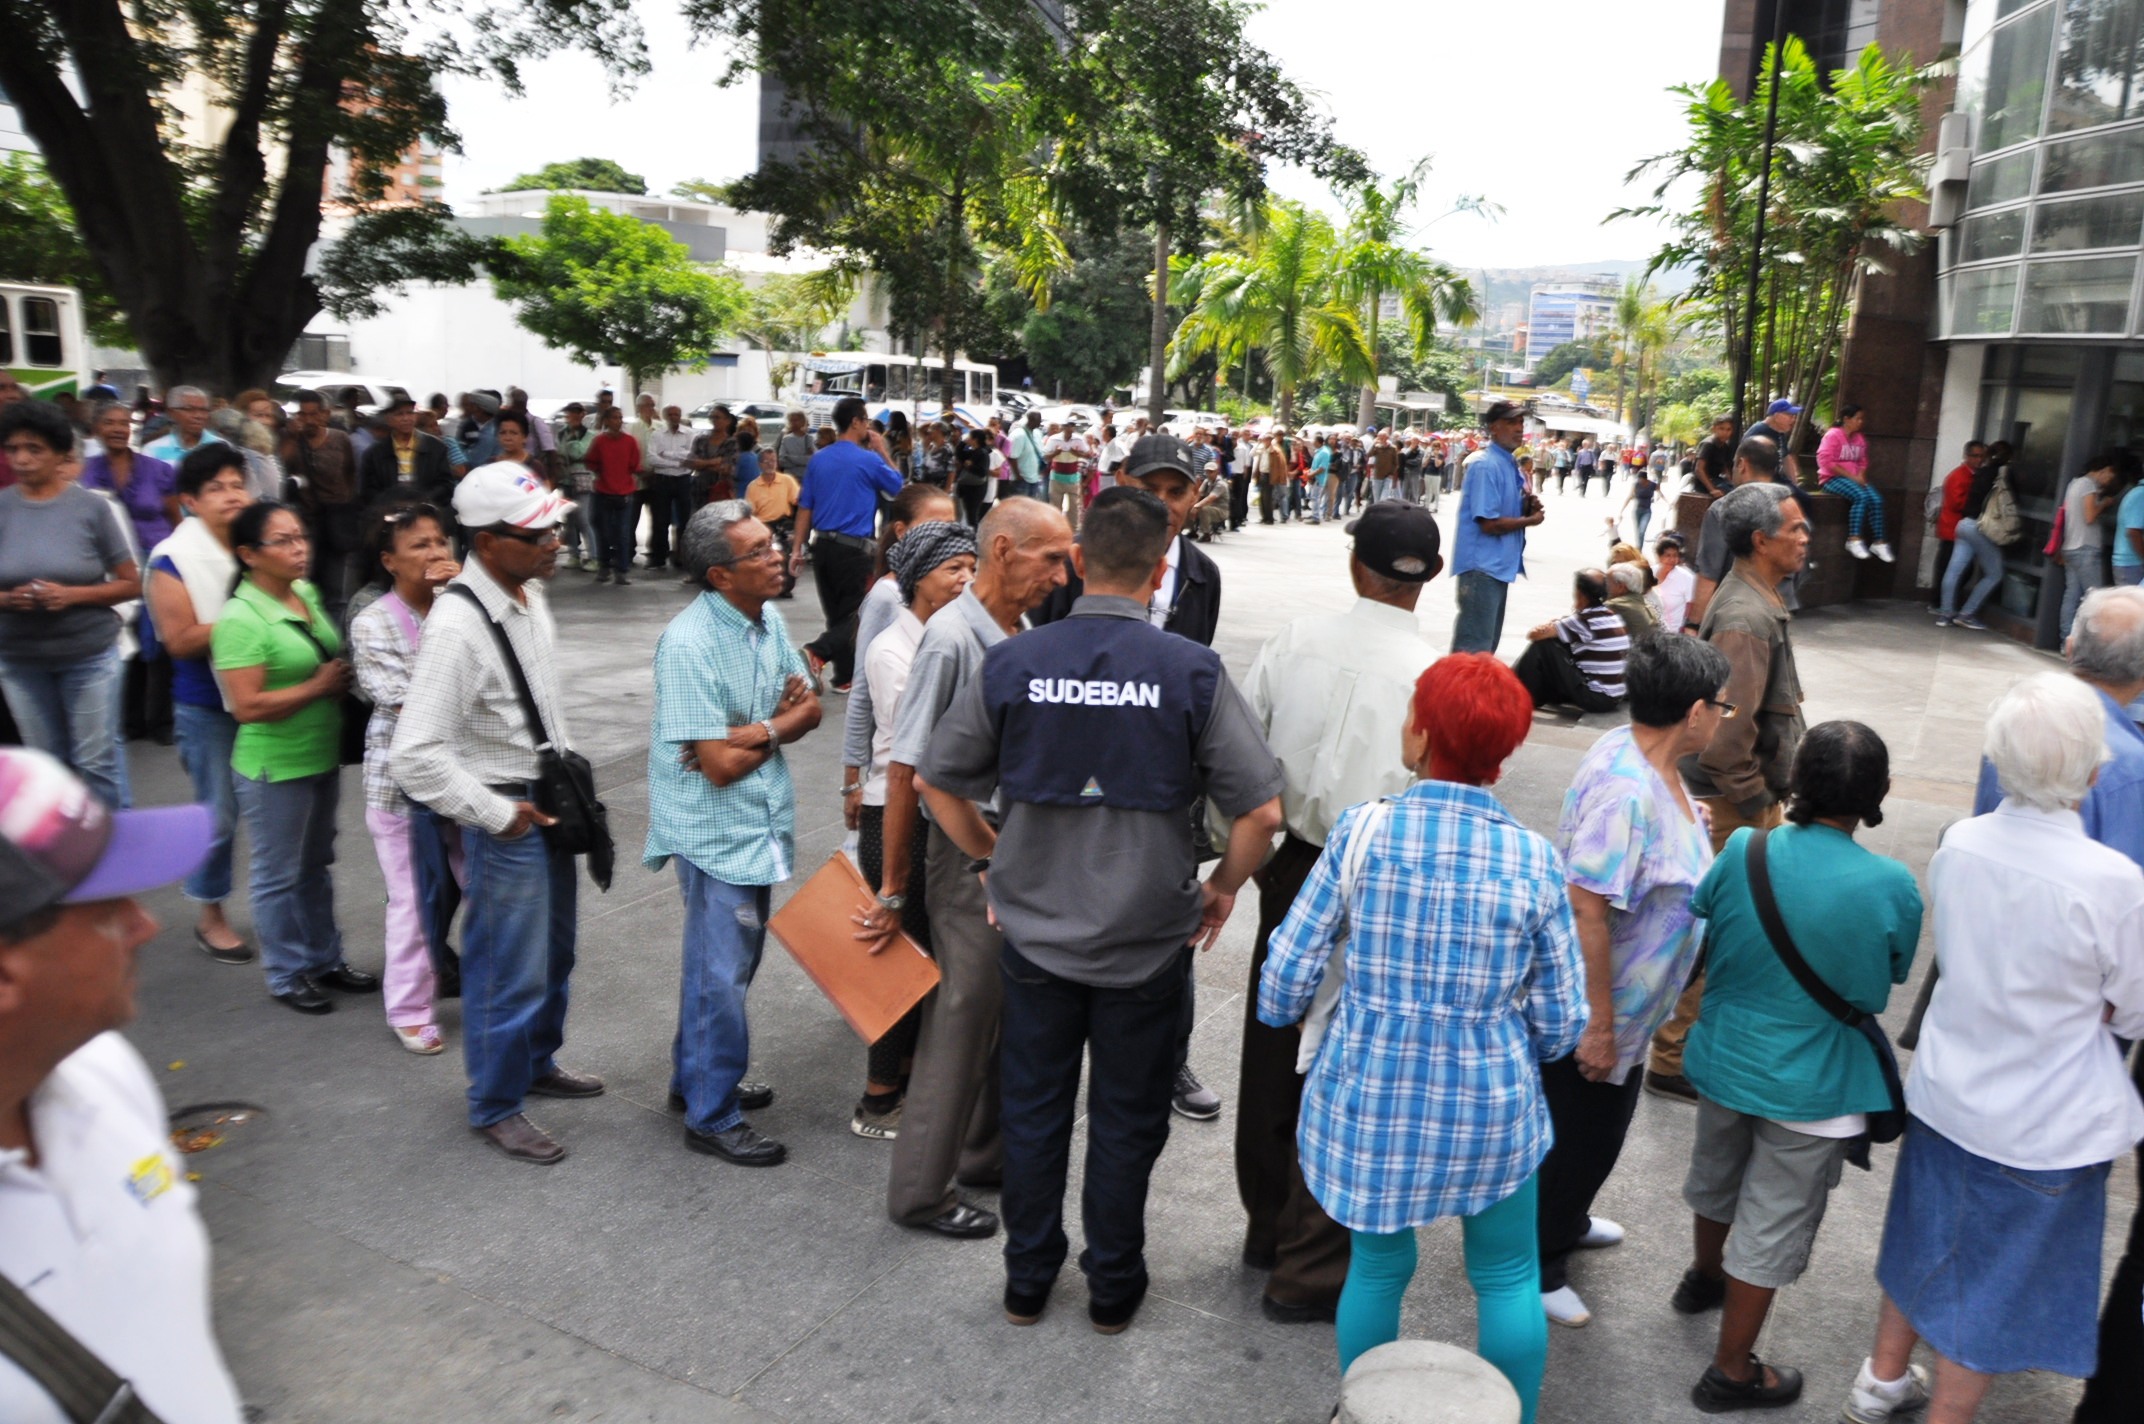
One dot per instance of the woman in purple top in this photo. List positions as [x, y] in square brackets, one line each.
[145, 485]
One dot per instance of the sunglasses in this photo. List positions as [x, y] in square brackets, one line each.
[529, 536]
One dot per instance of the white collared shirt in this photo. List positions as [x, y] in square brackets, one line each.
[1163, 603]
[2038, 929]
[1333, 693]
[104, 1235]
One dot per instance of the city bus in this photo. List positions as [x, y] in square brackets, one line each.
[41, 339]
[910, 381]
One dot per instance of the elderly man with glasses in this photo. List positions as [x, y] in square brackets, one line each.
[189, 407]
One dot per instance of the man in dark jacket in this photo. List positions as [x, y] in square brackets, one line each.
[408, 457]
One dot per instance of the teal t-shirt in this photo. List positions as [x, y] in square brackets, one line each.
[1761, 1045]
[2128, 515]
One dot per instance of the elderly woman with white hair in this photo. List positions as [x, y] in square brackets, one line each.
[2018, 1100]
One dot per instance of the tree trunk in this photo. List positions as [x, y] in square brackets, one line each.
[1157, 348]
[1366, 408]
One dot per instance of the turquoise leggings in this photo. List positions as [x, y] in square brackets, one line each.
[1504, 1267]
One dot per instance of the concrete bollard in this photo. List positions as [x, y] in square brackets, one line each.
[1423, 1382]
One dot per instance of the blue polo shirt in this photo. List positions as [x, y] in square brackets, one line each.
[2113, 809]
[841, 488]
[1494, 490]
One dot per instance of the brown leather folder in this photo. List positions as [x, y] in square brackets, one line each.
[818, 928]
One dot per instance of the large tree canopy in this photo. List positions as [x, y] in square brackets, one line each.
[586, 175]
[205, 233]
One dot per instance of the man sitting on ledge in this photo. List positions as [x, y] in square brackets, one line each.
[1577, 660]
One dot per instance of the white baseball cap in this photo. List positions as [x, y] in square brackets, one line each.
[506, 493]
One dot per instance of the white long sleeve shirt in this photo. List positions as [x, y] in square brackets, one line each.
[2039, 929]
[1332, 693]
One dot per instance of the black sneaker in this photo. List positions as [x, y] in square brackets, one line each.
[1698, 1292]
[1670, 1085]
[1111, 1319]
[1715, 1393]
[1194, 1099]
[1024, 1307]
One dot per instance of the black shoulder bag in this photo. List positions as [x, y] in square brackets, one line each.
[565, 782]
[87, 1390]
[356, 711]
[1889, 1124]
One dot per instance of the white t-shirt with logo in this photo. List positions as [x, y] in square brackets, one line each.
[104, 1235]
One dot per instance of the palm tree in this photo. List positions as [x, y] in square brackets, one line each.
[1281, 296]
[1375, 263]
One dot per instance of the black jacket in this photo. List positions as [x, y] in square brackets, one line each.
[1198, 596]
[431, 474]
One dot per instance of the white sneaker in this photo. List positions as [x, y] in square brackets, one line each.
[1600, 1231]
[1858, 549]
[1565, 1308]
[1883, 551]
[1874, 1403]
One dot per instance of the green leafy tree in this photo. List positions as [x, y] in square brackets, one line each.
[1091, 340]
[702, 190]
[1592, 354]
[1703, 386]
[586, 175]
[609, 289]
[1283, 297]
[1847, 157]
[207, 244]
[38, 244]
[1376, 262]
[786, 314]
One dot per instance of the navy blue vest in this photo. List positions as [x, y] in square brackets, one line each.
[1100, 711]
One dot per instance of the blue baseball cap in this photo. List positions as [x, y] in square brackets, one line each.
[1782, 406]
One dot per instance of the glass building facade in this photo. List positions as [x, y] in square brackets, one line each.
[2041, 293]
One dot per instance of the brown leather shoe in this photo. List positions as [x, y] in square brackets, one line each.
[522, 1140]
[564, 1083]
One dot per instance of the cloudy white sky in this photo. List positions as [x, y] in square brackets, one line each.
[1541, 108]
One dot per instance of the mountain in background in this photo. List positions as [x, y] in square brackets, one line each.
[1515, 284]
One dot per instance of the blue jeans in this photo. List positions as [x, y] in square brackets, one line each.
[1031, 488]
[292, 827]
[725, 931]
[1129, 1039]
[1511, 1333]
[1479, 626]
[2129, 574]
[1643, 514]
[71, 711]
[2083, 569]
[439, 889]
[614, 532]
[517, 954]
[1971, 549]
[206, 736]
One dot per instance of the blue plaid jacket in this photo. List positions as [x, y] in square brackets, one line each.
[1463, 975]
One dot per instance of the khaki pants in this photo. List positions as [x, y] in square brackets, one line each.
[949, 1120]
[1071, 498]
[1668, 1042]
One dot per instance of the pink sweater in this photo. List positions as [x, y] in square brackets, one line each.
[1841, 454]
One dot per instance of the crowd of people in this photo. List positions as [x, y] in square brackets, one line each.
[1059, 791]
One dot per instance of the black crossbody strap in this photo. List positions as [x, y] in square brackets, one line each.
[87, 1390]
[1760, 890]
[513, 665]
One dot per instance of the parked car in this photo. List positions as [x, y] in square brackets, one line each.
[767, 413]
[372, 393]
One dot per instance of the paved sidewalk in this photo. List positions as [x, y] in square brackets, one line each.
[374, 1262]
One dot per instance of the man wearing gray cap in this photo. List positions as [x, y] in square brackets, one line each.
[104, 1272]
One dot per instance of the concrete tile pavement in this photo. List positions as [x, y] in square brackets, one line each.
[374, 1261]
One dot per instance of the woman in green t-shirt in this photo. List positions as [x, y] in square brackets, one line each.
[279, 656]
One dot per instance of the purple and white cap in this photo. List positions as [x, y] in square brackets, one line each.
[60, 845]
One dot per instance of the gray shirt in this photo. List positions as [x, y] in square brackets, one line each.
[71, 538]
[950, 656]
[1096, 894]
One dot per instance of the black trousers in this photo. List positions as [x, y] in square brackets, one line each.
[148, 696]
[888, 1059]
[843, 570]
[973, 500]
[1310, 1250]
[1265, 502]
[1591, 1121]
[668, 499]
[1239, 500]
[2110, 1397]
[1128, 1038]
[1548, 672]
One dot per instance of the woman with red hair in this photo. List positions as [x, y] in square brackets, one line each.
[1462, 975]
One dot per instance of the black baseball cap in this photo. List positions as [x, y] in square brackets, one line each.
[1502, 410]
[1162, 452]
[1398, 540]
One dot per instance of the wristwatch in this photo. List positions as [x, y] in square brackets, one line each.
[979, 865]
[852, 788]
[774, 738]
[895, 903]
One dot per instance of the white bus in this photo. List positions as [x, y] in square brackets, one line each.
[41, 341]
[878, 376]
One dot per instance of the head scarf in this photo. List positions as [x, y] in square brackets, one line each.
[923, 548]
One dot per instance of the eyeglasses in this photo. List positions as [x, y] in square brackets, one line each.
[1726, 709]
[287, 541]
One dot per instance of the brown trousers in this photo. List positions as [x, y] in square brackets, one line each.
[949, 1120]
[1668, 1041]
[1310, 1249]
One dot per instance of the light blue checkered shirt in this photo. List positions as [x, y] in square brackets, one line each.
[1463, 975]
[715, 669]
